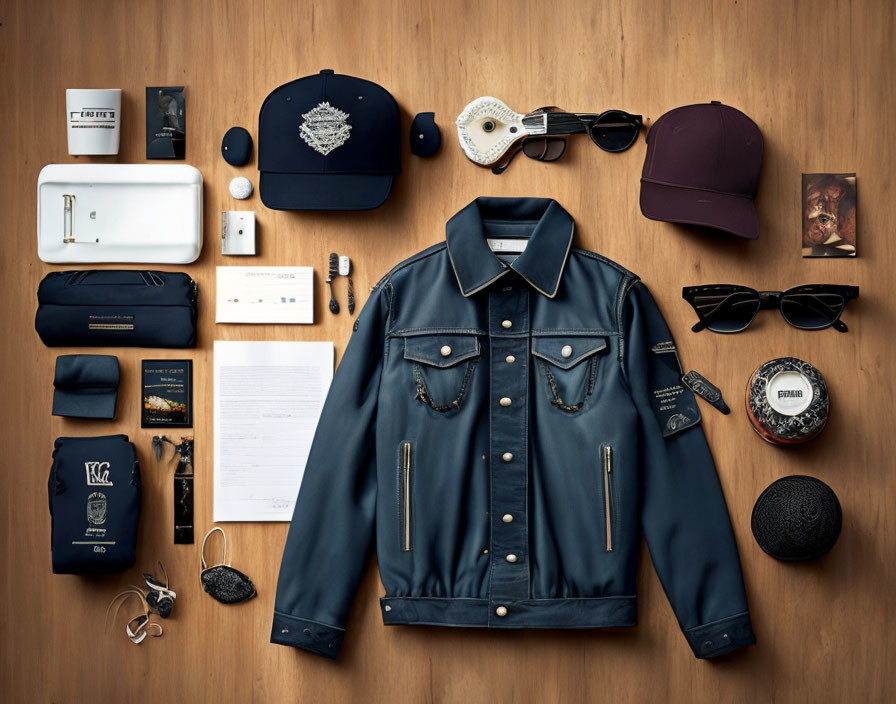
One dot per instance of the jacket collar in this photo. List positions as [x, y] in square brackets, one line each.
[541, 263]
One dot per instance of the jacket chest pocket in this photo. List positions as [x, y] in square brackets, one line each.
[442, 368]
[568, 368]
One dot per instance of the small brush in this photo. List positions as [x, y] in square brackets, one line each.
[332, 273]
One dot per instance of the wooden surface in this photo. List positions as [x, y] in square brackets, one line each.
[818, 79]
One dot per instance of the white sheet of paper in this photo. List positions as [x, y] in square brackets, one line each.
[264, 294]
[267, 399]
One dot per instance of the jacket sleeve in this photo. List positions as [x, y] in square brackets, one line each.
[331, 535]
[683, 511]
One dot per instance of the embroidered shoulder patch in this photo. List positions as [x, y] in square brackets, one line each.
[324, 128]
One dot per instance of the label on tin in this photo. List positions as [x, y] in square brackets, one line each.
[789, 393]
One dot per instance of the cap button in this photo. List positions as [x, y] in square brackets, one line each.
[327, 71]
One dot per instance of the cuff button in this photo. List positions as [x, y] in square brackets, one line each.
[387, 607]
[707, 645]
[307, 631]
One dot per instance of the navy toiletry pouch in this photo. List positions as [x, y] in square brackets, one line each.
[117, 308]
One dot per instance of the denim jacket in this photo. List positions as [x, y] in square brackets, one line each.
[501, 429]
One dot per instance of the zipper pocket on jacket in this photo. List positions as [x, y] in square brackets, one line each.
[607, 463]
[406, 466]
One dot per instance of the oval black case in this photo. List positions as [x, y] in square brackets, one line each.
[236, 146]
[425, 135]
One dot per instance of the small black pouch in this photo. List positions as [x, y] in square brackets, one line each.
[94, 496]
[117, 308]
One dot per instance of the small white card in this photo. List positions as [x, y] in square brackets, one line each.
[265, 294]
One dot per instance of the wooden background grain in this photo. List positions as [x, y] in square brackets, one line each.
[818, 79]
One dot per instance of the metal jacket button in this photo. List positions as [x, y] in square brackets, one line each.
[511, 558]
[505, 401]
[446, 350]
[501, 611]
[507, 324]
[507, 456]
[510, 359]
[565, 351]
[507, 518]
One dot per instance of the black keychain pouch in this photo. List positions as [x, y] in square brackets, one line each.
[94, 495]
[117, 308]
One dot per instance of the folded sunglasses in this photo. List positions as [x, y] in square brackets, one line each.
[727, 308]
[612, 130]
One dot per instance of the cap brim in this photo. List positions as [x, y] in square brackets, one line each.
[688, 206]
[281, 191]
[85, 403]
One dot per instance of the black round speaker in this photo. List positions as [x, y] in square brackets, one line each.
[797, 518]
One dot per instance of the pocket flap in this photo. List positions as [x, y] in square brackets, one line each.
[567, 351]
[441, 350]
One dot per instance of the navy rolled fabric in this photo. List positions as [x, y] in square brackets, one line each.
[86, 386]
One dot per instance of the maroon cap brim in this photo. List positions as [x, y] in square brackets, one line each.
[689, 206]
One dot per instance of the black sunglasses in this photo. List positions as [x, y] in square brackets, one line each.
[612, 130]
[727, 308]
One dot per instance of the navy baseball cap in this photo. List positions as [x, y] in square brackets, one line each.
[328, 142]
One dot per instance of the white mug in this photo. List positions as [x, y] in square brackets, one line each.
[94, 120]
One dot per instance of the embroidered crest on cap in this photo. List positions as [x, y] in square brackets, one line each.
[324, 128]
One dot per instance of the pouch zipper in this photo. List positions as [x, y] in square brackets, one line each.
[607, 460]
[406, 496]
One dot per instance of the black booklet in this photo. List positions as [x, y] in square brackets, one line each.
[167, 399]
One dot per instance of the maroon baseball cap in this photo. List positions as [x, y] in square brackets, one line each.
[702, 168]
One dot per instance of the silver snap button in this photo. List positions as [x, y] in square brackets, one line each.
[446, 350]
[507, 456]
[505, 401]
[507, 518]
[501, 611]
[307, 631]
[387, 608]
[566, 351]
[511, 558]
[507, 324]
[284, 630]
[510, 359]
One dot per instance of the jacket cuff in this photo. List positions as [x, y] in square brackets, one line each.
[720, 637]
[313, 636]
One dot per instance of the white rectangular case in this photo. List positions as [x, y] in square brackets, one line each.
[127, 213]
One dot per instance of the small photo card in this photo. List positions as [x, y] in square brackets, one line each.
[167, 399]
[829, 215]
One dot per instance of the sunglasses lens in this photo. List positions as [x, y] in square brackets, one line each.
[726, 310]
[615, 131]
[544, 148]
[811, 310]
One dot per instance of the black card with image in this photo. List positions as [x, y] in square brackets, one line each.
[167, 399]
